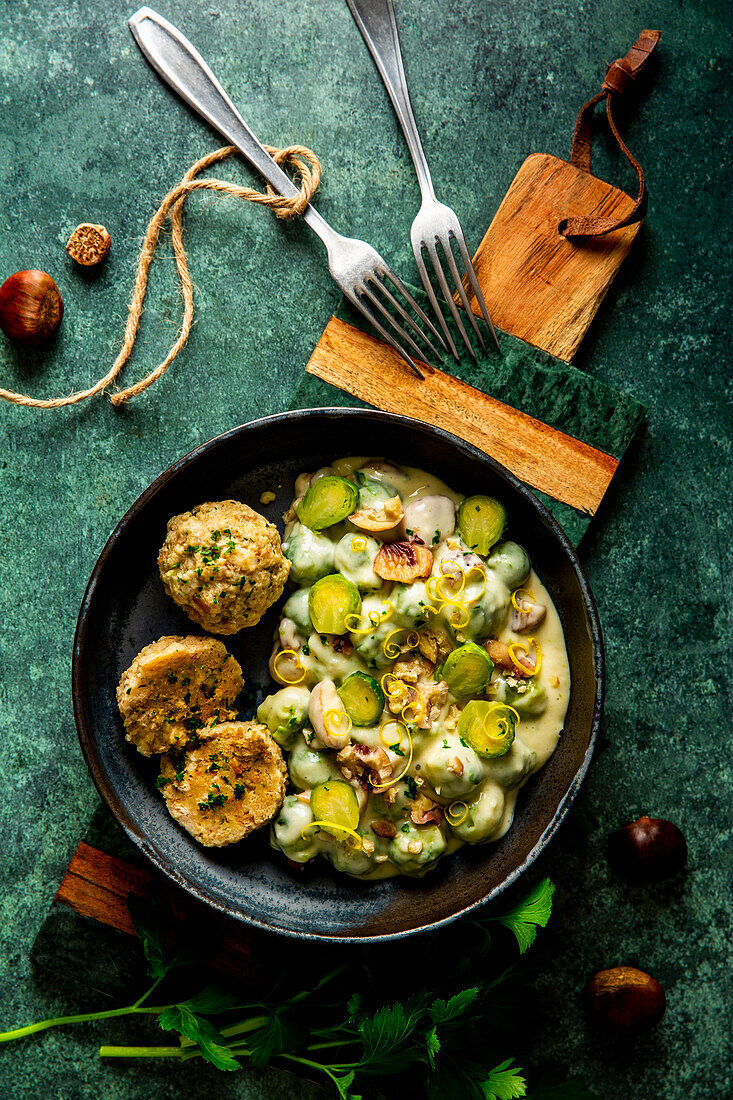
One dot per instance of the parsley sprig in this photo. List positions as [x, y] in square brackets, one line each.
[439, 1040]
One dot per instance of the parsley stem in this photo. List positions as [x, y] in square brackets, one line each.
[333, 1043]
[148, 992]
[140, 1052]
[245, 1025]
[58, 1021]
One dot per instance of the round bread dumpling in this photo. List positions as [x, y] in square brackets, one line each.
[176, 686]
[223, 564]
[228, 786]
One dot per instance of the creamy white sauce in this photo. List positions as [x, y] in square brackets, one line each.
[488, 788]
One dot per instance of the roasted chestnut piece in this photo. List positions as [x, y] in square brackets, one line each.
[625, 999]
[647, 850]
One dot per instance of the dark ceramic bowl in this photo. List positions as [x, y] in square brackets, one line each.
[125, 608]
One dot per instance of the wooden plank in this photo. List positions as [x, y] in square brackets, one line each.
[557, 464]
[97, 885]
[538, 285]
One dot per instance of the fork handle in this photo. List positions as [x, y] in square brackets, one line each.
[376, 21]
[184, 69]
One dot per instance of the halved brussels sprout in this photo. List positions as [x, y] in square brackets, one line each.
[296, 608]
[331, 601]
[510, 562]
[284, 713]
[467, 670]
[327, 501]
[481, 522]
[363, 699]
[488, 727]
[335, 802]
[310, 554]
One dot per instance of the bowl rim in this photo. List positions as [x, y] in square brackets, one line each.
[87, 738]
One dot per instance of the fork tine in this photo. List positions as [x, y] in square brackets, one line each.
[462, 290]
[366, 290]
[438, 268]
[406, 317]
[397, 282]
[428, 287]
[386, 336]
[466, 257]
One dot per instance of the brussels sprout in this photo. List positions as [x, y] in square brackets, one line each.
[310, 555]
[296, 608]
[370, 647]
[487, 726]
[484, 816]
[411, 604]
[416, 848]
[430, 518]
[513, 768]
[372, 493]
[467, 670]
[354, 557]
[353, 861]
[481, 522]
[510, 562]
[529, 698]
[335, 802]
[307, 767]
[451, 767]
[287, 831]
[284, 713]
[380, 473]
[363, 699]
[327, 501]
[331, 601]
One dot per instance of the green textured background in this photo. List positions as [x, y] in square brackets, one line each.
[88, 133]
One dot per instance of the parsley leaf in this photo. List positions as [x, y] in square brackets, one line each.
[390, 1043]
[504, 1082]
[458, 1005]
[148, 925]
[432, 1044]
[530, 913]
[210, 1042]
[278, 1034]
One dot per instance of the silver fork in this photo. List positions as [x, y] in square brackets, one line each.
[435, 224]
[357, 269]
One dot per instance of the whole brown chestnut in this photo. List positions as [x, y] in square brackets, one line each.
[30, 308]
[647, 850]
[625, 999]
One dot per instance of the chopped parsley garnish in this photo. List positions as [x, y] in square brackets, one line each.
[214, 799]
[239, 790]
[161, 781]
[411, 785]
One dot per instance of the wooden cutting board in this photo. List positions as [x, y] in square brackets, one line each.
[539, 287]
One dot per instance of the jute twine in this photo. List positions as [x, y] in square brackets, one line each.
[308, 170]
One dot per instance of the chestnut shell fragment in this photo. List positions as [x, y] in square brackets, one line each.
[647, 850]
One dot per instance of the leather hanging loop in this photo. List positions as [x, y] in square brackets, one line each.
[620, 76]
